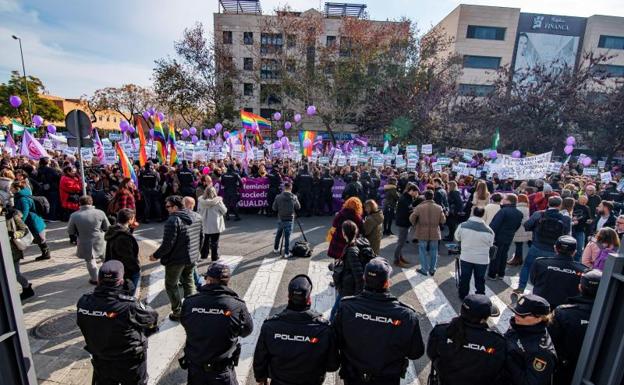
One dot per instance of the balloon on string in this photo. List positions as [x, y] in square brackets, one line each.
[279, 133]
[493, 154]
[146, 115]
[287, 125]
[226, 134]
[570, 141]
[212, 132]
[277, 145]
[586, 161]
[297, 118]
[52, 129]
[218, 127]
[185, 133]
[311, 110]
[206, 170]
[123, 125]
[307, 143]
[37, 120]
[193, 130]
[516, 154]
[194, 139]
[161, 116]
[568, 149]
[151, 111]
[284, 141]
[206, 132]
[15, 101]
[277, 116]
[131, 130]
[151, 133]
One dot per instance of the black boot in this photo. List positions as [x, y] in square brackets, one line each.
[45, 252]
[27, 292]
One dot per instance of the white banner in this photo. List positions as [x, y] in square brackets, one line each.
[531, 167]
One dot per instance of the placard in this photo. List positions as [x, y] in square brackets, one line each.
[378, 161]
[324, 160]
[605, 177]
[590, 171]
[411, 164]
[602, 164]
[400, 162]
[427, 149]
[115, 136]
[531, 167]
[353, 160]
[342, 161]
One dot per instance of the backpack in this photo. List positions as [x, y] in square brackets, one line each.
[549, 229]
[601, 259]
[42, 206]
[365, 252]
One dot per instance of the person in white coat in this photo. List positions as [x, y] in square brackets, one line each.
[212, 210]
[522, 236]
[476, 238]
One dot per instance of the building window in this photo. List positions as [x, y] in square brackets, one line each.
[612, 42]
[248, 64]
[610, 70]
[114, 120]
[486, 62]
[270, 94]
[271, 43]
[269, 69]
[267, 113]
[248, 89]
[248, 109]
[227, 37]
[248, 38]
[487, 33]
[291, 40]
[330, 41]
[475, 89]
[100, 118]
[107, 118]
[345, 47]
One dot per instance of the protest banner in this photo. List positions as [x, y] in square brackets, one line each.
[532, 167]
[605, 177]
[590, 171]
[254, 192]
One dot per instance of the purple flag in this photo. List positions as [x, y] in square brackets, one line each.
[32, 148]
[10, 145]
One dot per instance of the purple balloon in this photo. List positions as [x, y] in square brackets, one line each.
[146, 115]
[493, 154]
[287, 125]
[193, 130]
[226, 134]
[131, 130]
[516, 154]
[206, 132]
[123, 125]
[568, 149]
[279, 133]
[151, 132]
[277, 145]
[284, 141]
[194, 139]
[37, 120]
[185, 133]
[151, 111]
[586, 161]
[570, 141]
[297, 118]
[161, 116]
[52, 129]
[277, 116]
[311, 110]
[218, 127]
[307, 143]
[15, 101]
[212, 132]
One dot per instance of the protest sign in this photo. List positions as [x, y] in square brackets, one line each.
[602, 164]
[427, 149]
[605, 177]
[353, 160]
[532, 167]
[590, 171]
[411, 164]
[254, 192]
[324, 160]
[400, 162]
[115, 136]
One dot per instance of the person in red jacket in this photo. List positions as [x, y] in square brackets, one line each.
[70, 189]
[539, 200]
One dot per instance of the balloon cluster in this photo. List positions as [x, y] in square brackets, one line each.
[570, 142]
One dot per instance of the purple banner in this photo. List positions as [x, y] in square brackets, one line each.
[254, 192]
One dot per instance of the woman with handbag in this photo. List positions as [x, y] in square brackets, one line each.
[23, 201]
[20, 238]
[348, 272]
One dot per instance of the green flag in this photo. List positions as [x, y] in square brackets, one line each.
[18, 129]
[495, 139]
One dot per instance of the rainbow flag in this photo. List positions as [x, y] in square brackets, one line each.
[171, 141]
[126, 165]
[159, 138]
[258, 138]
[303, 135]
[248, 119]
[142, 143]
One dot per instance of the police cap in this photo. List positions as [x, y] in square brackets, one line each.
[111, 273]
[376, 273]
[566, 245]
[218, 270]
[590, 280]
[300, 289]
[531, 304]
[479, 306]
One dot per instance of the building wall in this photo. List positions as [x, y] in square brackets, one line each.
[107, 120]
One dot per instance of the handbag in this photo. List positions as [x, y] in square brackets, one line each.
[24, 241]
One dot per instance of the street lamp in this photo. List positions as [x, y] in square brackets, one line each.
[19, 39]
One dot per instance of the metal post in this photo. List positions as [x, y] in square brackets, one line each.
[82, 174]
[19, 39]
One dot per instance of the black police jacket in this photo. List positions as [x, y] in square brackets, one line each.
[531, 357]
[295, 348]
[556, 278]
[479, 360]
[148, 180]
[303, 184]
[327, 182]
[353, 189]
[373, 192]
[214, 319]
[377, 334]
[403, 210]
[113, 324]
[568, 331]
[186, 179]
[231, 182]
[275, 181]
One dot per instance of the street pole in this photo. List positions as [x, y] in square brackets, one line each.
[19, 39]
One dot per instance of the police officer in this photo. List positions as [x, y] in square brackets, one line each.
[327, 183]
[531, 356]
[557, 278]
[149, 183]
[302, 186]
[377, 334]
[467, 351]
[297, 345]
[373, 192]
[214, 319]
[354, 188]
[570, 324]
[187, 180]
[366, 182]
[114, 326]
[231, 183]
[275, 183]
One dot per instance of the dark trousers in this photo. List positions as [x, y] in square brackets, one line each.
[498, 265]
[231, 202]
[55, 205]
[388, 213]
[452, 222]
[385, 381]
[153, 202]
[327, 203]
[211, 243]
[270, 199]
[467, 269]
[120, 372]
[198, 376]
[305, 198]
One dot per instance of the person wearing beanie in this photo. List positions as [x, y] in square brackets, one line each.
[214, 320]
[569, 326]
[467, 351]
[297, 343]
[377, 334]
[115, 327]
[531, 354]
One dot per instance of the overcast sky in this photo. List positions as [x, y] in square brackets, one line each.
[78, 46]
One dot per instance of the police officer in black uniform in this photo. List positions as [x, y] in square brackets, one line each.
[296, 346]
[114, 326]
[366, 182]
[467, 351]
[302, 186]
[570, 324]
[149, 183]
[557, 278]
[327, 199]
[187, 180]
[377, 334]
[354, 188]
[214, 319]
[275, 183]
[531, 354]
[231, 183]
[373, 192]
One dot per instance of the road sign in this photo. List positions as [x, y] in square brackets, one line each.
[78, 124]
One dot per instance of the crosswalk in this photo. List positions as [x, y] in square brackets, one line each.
[435, 298]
